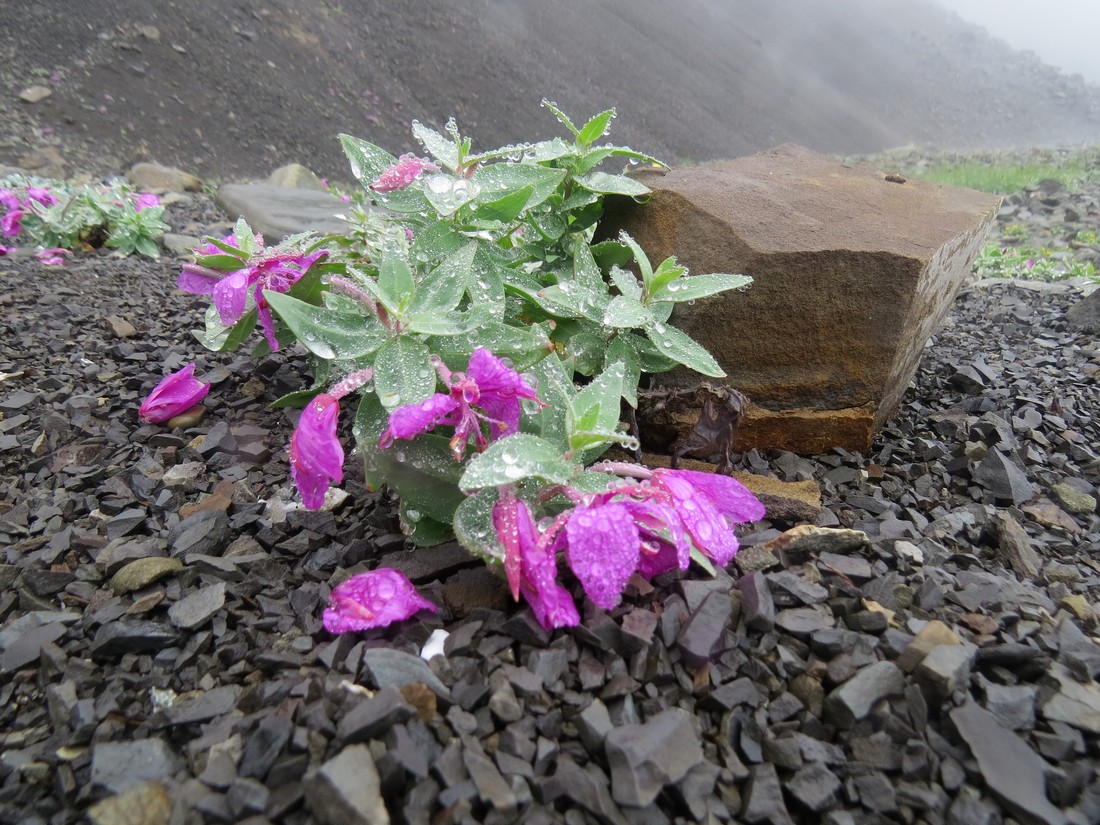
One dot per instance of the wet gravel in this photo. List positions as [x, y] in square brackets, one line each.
[922, 649]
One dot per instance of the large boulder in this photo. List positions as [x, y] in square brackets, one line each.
[853, 270]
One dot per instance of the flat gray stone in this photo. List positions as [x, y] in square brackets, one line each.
[346, 790]
[119, 766]
[854, 699]
[1013, 772]
[1075, 703]
[277, 211]
[196, 609]
[644, 758]
[395, 668]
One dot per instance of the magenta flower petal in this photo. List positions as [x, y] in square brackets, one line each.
[316, 456]
[10, 224]
[711, 532]
[374, 599]
[145, 200]
[9, 200]
[198, 280]
[410, 420]
[40, 195]
[231, 293]
[508, 512]
[660, 527]
[175, 393]
[730, 496]
[602, 549]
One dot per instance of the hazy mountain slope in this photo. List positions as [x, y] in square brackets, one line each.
[237, 88]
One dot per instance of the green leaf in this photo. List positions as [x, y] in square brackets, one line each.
[449, 323]
[499, 179]
[442, 289]
[561, 116]
[523, 345]
[611, 253]
[246, 238]
[486, 283]
[626, 282]
[698, 286]
[395, 280]
[596, 128]
[513, 459]
[424, 530]
[571, 300]
[505, 209]
[294, 400]
[436, 242]
[367, 161]
[595, 409]
[642, 259]
[606, 184]
[403, 372]
[447, 195]
[441, 148]
[674, 344]
[623, 350]
[473, 524]
[585, 271]
[328, 333]
[224, 263]
[218, 338]
[587, 349]
[556, 391]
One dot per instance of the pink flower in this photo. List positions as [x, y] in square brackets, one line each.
[530, 566]
[5, 250]
[373, 599]
[488, 391]
[9, 200]
[10, 224]
[145, 200]
[175, 393]
[407, 169]
[275, 271]
[40, 195]
[54, 256]
[708, 505]
[316, 457]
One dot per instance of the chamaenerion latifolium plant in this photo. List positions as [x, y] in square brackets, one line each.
[55, 217]
[489, 344]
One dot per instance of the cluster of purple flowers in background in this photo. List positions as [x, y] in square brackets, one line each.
[275, 270]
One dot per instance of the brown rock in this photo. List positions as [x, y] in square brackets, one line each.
[220, 499]
[120, 327]
[1014, 545]
[295, 176]
[799, 543]
[33, 94]
[421, 697]
[851, 275]
[153, 177]
[934, 634]
[784, 500]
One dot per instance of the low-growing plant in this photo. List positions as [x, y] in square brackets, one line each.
[1034, 264]
[491, 344]
[51, 215]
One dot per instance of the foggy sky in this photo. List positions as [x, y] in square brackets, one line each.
[1063, 33]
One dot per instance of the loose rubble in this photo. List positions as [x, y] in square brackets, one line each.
[924, 651]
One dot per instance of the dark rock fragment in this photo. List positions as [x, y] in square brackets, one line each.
[763, 801]
[644, 758]
[264, 746]
[119, 637]
[1013, 772]
[854, 699]
[1003, 479]
[346, 790]
[372, 717]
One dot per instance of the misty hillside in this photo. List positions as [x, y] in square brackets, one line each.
[238, 88]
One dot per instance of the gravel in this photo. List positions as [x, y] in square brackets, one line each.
[925, 651]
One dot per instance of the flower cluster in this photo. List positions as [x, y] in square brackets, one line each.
[272, 270]
[16, 207]
[648, 527]
[489, 391]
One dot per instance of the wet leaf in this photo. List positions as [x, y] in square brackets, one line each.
[676, 345]
[513, 459]
[403, 372]
[698, 286]
[329, 333]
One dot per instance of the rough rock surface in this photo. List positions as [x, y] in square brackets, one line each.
[852, 272]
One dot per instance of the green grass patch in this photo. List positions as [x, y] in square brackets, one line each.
[1006, 178]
